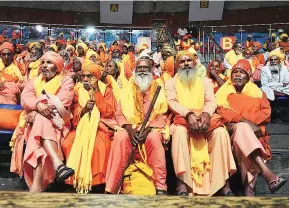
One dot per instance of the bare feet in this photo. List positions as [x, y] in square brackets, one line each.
[181, 188]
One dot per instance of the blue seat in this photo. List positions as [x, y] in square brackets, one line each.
[11, 107]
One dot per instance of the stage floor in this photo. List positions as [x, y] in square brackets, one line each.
[43, 200]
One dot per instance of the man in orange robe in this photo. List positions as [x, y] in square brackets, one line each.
[43, 126]
[257, 58]
[215, 73]
[245, 111]
[103, 53]
[102, 98]
[134, 103]
[201, 153]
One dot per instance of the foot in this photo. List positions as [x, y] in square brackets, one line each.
[225, 191]
[35, 190]
[249, 191]
[63, 173]
[181, 188]
[276, 184]
[161, 192]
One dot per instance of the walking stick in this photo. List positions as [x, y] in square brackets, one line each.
[130, 158]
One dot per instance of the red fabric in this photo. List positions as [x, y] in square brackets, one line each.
[244, 65]
[7, 45]
[9, 118]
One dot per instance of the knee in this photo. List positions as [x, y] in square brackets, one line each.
[180, 132]
[120, 136]
[154, 138]
[242, 126]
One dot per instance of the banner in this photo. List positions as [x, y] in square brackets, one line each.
[203, 10]
[227, 42]
[116, 12]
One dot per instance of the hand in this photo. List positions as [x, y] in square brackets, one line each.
[2, 86]
[285, 84]
[132, 134]
[30, 117]
[142, 138]
[204, 121]
[45, 110]
[89, 105]
[278, 93]
[193, 122]
[103, 76]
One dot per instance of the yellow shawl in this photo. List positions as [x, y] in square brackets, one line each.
[115, 87]
[39, 84]
[34, 69]
[12, 70]
[192, 97]
[232, 58]
[81, 152]
[228, 88]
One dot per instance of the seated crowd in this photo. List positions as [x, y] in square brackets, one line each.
[84, 106]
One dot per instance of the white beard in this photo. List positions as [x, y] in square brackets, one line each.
[187, 76]
[275, 67]
[143, 81]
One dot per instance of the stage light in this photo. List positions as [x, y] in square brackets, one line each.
[90, 30]
[39, 28]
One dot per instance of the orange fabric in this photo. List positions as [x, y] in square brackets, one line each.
[93, 68]
[55, 58]
[255, 110]
[7, 45]
[248, 44]
[244, 65]
[8, 78]
[9, 118]
[259, 45]
[115, 47]
[104, 57]
[169, 66]
[258, 59]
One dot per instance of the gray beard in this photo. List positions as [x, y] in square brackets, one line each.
[143, 80]
[187, 75]
[116, 60]
[276, 68]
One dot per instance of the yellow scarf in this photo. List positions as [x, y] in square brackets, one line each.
[39, 84]
[12, 70]
[132, 102]
[192, 97]
[232, 58]
[122, 80]
[83, 145]
[115, 87]
[228, 88]
[34, 69]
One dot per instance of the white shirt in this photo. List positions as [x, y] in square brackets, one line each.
[182, 32]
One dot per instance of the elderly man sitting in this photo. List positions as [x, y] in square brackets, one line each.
[202, 156]
[246, 110]
[43, 125]
[275, 76]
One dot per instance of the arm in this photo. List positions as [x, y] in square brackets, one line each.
[210, 99]
[120, 118]
[171, 94]
[218, 79]
[263, 115]
[106, 104]
[28, 97]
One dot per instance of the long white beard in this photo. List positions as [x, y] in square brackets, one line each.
[143, 80]
[275, 67]
[188, 75]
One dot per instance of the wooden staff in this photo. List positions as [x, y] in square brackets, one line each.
[130, 158]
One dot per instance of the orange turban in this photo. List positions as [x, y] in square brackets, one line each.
[93, 68]
[7, 45]
[115, 47]
[61, 42]
[259, 45]
[244, 65]
[55, 58]
[180, 54]
[185, 37]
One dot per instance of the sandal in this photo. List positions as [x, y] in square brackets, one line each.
[276, 184]
[62, 173]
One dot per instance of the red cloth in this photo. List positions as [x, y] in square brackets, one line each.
[244, 65]
[7, 45]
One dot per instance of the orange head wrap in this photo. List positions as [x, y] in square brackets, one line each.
[93, 68]
[185, 37]
[259, 45]
[115, 47]
[244, 65]
[61, 42]
[55, 58]
[7, 45]
[180, 54]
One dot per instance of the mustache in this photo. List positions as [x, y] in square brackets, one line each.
[143, 73]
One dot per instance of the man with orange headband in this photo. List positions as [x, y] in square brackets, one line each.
[245, 111]
[87, 146]
[134, 103]
[8, 71]
[201, 151]
[257, 58]
[43, 125]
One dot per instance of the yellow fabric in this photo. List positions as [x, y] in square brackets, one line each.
[55, 48]
[34, 69]
[138, 178]
[90, 53]
[12, 70]
[81, 152]
[192, 97]
[125, 57]
[132, 110]
[51, 86]
[228, 88]
[115, 87]
[122, 80]
[83, 45]
[277, 52]
[232, 58]
[192, 51]
[36, 44]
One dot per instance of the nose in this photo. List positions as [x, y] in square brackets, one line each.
[85, 78]
[44, 65]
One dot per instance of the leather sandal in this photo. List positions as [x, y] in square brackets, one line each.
[62, 173]
[276, 184]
